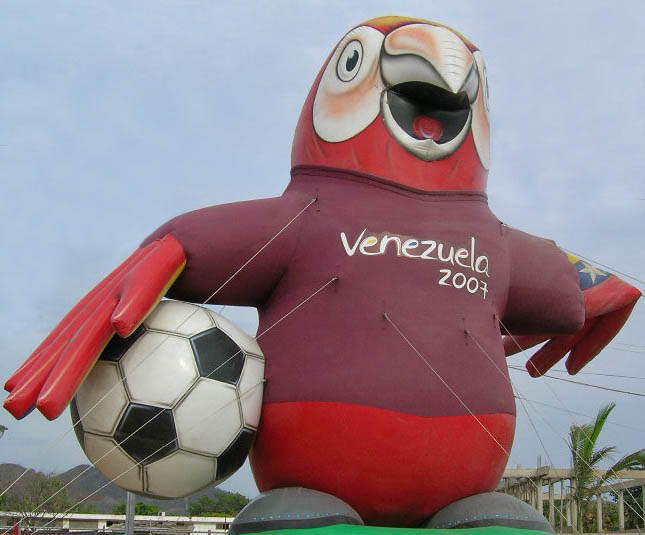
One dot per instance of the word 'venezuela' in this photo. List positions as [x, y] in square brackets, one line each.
[376, 244]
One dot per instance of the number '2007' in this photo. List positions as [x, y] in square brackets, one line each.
[459, 280]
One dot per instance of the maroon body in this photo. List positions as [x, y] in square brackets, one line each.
[444, 270]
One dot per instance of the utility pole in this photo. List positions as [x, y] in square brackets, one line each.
[129, 514]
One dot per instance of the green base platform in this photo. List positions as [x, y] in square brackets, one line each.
[346, 529]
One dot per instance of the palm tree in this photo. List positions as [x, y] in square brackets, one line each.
[586, 458]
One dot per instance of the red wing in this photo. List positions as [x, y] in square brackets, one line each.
[50, 377]
[608, 303]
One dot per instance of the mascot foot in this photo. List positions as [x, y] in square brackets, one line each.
[293, 508]
[489, 509]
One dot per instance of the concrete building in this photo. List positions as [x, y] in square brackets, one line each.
[528, 484]
[161, 524]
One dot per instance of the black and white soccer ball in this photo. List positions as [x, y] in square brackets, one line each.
[174, 407]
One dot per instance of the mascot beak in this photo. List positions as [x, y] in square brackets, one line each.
[431, 80]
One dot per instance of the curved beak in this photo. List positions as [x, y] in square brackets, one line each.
[431, 81]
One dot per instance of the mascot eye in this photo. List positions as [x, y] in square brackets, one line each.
[348, 97]
[349, 62]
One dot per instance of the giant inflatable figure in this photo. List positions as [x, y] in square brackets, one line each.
[382, 383]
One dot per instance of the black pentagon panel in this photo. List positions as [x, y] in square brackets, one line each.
[117, 346]
[153, 433]
[234, 456]
[76, 420]
[218, 357]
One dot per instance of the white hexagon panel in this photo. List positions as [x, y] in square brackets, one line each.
[178, 318]
[101, 398]
[113, 462]
[251, 388]
[246, 342]
[159, 368]
[179, 474]
[209, 418]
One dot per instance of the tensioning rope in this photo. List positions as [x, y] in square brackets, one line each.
[606, 266]
[117, 444]
[454, 393]
[58, 439]
[535, 430]
[137, 464]
[564, 405]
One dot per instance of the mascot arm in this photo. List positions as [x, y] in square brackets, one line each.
[221, 243]
[608, 302]
[205, 247]
[543, 291]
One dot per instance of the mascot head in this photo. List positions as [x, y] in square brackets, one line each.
[401, 99]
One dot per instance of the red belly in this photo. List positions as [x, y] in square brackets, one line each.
[393, 468]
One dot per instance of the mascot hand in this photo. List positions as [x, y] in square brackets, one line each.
[49, 378]
[608, 303]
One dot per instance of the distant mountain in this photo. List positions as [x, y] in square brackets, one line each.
[90, 480]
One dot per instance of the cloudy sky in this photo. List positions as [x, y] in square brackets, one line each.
[115, 116]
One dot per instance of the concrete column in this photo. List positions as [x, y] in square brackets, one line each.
[621, 511]
[529, 494]
[538, 495]
[562, 506]
[568, 509]
[551, 504]
[574, 509]
[599, 513]
[643, 504]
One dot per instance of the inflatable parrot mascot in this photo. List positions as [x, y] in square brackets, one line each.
[404, 294]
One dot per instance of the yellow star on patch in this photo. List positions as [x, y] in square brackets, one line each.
[592, 271]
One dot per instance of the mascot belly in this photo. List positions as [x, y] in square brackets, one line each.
[349, 408]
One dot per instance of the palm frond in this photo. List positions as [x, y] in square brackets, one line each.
[597, 424]
[633, 461]
[601, 454]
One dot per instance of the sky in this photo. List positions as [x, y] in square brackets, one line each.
[116, 116]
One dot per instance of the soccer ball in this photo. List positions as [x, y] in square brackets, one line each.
[174, 407]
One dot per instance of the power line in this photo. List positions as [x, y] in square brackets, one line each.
[601, 374]
[555, 407]
[581, 383]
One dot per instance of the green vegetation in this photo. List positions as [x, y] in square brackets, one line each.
[587, 456]
[38, 494]
[633, 507]
[140, 508]
[224, 504]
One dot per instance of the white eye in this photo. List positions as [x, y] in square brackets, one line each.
[349, 94]
[349, 62]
